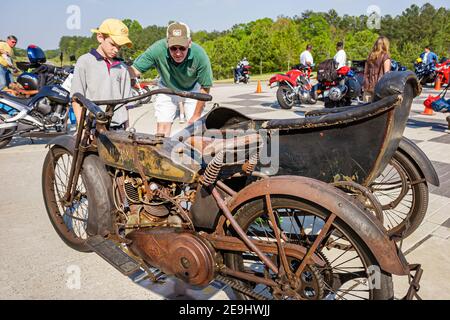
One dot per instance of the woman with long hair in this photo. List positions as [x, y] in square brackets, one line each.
[377, 65]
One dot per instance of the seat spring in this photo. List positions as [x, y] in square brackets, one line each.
[213, 169]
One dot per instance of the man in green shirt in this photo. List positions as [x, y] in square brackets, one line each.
[182, 65]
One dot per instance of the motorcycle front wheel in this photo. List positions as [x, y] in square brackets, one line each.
[3, 132]
[285, 97]
[349, 264]
[71, 220]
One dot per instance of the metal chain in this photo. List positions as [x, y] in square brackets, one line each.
[241, 288]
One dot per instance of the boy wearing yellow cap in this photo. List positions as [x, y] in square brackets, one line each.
[99, 75]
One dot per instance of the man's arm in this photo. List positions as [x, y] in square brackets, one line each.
[134, 73]
[199, 107]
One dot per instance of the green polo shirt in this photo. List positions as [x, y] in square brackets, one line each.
[196, 68]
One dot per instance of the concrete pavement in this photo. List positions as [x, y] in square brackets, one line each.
[36, 264]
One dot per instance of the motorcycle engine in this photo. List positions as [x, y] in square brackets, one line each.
[51, 112]
[142, 208]
[337, 93]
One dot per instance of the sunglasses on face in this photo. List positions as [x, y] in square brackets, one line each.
[175, 49]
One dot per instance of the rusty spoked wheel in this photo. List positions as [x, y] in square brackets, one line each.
[70, 222]
[403, 195]
[348, 269]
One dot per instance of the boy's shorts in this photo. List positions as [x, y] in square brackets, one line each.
[166, 106]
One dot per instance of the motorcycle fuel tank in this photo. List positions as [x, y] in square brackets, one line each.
[159, 158]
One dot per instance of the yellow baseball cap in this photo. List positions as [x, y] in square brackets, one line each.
[117, 30]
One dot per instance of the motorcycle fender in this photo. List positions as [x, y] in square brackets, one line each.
[280, 78]
[359, 219]
[421, 161]
[66, 141]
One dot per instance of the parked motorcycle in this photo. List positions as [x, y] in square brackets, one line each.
[340, 91]
[426, 73]
[43, 115]
[443, 70]
[294, 87]
[139, 87]
[397, 66]
[38, 74]
[143, 201]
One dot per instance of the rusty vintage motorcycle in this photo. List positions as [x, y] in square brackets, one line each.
[144, 201]
[362, 144]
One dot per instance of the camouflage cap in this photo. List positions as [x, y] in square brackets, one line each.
[178, 34]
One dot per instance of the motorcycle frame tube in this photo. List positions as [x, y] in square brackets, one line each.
[365, 225]
[77, 159]
[22, 112]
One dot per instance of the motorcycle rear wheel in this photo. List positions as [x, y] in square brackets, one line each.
[349, 262]
[282, 97]
[71, 222]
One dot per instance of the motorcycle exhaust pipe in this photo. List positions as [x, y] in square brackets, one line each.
[8, 125]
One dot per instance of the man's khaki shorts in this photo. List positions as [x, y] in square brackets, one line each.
[166, 106]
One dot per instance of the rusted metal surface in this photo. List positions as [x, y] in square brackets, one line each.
[241, 232]
[414, 280]
[158, 161]
[282, 254]
[176, 252]
[248, 277]
[366, 226]
[315, 245]
[228, 243]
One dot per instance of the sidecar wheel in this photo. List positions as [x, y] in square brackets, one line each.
[349, 263]
[283, 98]
[71, 222]
[404, 199]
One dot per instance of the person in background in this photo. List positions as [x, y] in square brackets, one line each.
[429, 57]
[182, 65]
[100, 75]
[341, 56]
[377, 65]
[6, 61]
[306, 57]
[239, 70]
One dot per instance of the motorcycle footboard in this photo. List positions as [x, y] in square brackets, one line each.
[115, 256]
[415, 276]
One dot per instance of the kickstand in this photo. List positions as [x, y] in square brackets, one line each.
[414, 281]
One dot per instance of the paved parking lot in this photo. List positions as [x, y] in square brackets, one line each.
[36, 264]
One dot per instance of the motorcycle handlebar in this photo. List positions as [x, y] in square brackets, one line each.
[184, 94]
[93, 106]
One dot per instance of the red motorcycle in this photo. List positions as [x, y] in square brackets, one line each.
[294, 87]
[443, 70]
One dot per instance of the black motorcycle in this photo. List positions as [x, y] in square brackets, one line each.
[426, 73]
[38, 74]
[338, 87]
[43, 115]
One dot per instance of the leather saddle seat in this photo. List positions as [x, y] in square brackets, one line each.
[212, 146]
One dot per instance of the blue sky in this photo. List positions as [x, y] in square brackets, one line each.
[43, 22]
